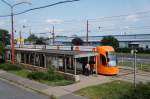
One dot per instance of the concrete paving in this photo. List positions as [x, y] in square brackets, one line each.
[86, 81]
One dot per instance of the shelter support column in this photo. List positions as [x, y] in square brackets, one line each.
[65, 64]
[75, 67]
[45, 60]
[39, 61]
[96, 64]
[88, 60]
[24, 58]
[57, 59]
[70, 63]
[29, 58]
[34, 58]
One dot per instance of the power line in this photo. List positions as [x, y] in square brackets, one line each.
[111, 19]
[36, 8]
[117, 16]
[121, 29]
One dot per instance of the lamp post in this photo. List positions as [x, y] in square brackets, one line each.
[135, 52]
[12, 26]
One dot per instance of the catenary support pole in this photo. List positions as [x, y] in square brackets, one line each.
[87, 32]
[12, 37]
[53, 35]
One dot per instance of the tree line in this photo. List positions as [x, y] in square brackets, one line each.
[33, 39]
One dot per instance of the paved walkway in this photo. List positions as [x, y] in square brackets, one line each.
[59, 91]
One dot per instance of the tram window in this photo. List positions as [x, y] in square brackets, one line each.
[103, 60]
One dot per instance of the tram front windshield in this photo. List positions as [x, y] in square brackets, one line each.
[111, 59]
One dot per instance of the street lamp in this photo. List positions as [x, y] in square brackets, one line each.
[12, 25]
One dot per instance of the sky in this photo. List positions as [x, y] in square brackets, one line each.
[106, 17]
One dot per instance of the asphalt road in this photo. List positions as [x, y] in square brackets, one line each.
[10, 91]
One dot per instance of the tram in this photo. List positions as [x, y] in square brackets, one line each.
[106, 61]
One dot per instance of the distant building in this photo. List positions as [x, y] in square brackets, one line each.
[20, 41]
[136, 40]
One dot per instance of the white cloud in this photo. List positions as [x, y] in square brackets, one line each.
[146, 7]
[2, 23]
[59, 30]
[47, 29]
[23, 21]
[132, 18]
[54, 21]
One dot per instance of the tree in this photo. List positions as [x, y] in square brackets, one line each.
[4, 37]
[32, 38]
[40, 41]
[1, 49]
[4, 40]
[77, 41]
[110, 41]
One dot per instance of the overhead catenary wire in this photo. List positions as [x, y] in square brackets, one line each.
[41, 7]
[91, 20]
[118, 16]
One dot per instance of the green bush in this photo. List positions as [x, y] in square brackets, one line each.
[49, 75]
[55, 76]
[9, 67]
[51, 70]
[44, 76]
[36, 75]
[123, 50]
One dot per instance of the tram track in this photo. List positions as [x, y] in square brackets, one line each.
[128, 75]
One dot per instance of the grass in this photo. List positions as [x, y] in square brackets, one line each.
[57, 82]
[144, 67]
[116, 90]
[9, 67]
[113, 90]
[15, 69]
[25, 73]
